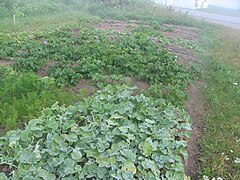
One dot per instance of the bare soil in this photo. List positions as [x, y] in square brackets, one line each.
[181, 32]
[142, 86]
[118, 26]
[6, 169]
[195, 108]
[86, 85]
[184, 56]
[6, 62]
[44, 70]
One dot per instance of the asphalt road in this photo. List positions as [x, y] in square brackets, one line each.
[229, 21]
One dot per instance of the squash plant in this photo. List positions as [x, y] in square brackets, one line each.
[112, 135]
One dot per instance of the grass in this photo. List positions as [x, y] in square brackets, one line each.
[42, 22]
[220, 141]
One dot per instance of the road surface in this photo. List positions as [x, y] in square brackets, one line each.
[229, 21]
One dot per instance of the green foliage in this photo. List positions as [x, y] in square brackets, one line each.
[94, 52]
[23, 96]
[172, 94]
[112, 135]
[188, 45]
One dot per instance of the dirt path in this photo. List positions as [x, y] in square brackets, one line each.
[195, 108]
[6, 62]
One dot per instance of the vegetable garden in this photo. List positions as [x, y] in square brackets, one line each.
[118, 133]
[126, 121]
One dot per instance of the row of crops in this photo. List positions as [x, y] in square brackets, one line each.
[117, 133]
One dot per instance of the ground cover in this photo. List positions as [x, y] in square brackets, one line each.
[220, 141]
[110, 135]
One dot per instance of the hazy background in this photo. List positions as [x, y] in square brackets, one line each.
[233, 4]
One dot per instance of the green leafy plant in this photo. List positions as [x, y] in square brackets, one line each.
[112, 135]
[23, 96]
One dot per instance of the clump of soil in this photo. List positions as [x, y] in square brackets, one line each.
[195, 108]
[6, 62]
[85, 85]
[44, 70]
[184, 55]
[141, 85]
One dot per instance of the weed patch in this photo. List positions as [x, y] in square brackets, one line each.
[23, 96]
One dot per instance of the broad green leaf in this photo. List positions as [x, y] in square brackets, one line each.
[123, 129]
[129, 154]
[92, 153]
[3, 176]
[149, 164]
[69, 166]
[68, 124]
[71, 137]
[76, 154]
[105, 162]
[52, 124]
[78, 168]
[102, 172]
[119, 146]
[26, 158]
[45, 175]
[59, 140]
[129, 167]
[25, 135]
[146, 148]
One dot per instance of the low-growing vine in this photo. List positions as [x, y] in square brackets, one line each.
[112, 135]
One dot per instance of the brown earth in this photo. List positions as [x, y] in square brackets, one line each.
[141, 85]
[195, 108]
[86, 85]
[181, 32]
[44, 70]
[6, 62]
[184, 56]
[6, 169]
[118, 26]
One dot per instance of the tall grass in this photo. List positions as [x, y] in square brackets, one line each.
[23, 96]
